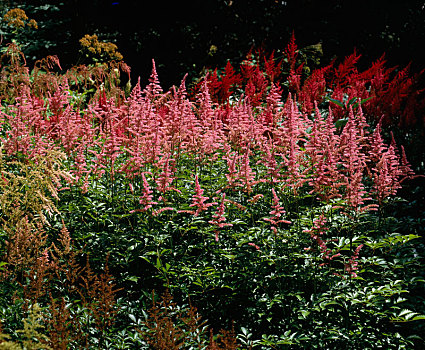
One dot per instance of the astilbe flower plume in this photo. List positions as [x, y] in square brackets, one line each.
[329, 182]
[315, 145]
[272, 67]
[198, 200]
[316, 233]
[405, 167]
[353, 160]
[229, 80]
[376, 144]
[154, 89]
[289, 137]
[246, 174]
[276, 213]
[352, 264]
[219, 218]
[209, 131]
[256, 87]
[388, 173]
[269, 160]
[146, 198]
[166, 178]
[271, 113]
[291, 53]
[231, 158]
[173, 114]
[313, 89]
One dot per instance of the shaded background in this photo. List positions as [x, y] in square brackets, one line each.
[179, 34]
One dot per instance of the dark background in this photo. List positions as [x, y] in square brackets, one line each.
[179, 34]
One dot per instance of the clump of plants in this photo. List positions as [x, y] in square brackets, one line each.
[268, 210]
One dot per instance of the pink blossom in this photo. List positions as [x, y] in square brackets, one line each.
[198, 200]
[276, 213]
[161, 210]
[146, 199]
[352, 264]
[318, 229]
[254, 245]
[219, 218]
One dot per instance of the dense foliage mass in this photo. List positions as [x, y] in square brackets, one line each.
[258, 210]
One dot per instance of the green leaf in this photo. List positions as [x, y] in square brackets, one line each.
[133, 279]
[420, 317]
[338, 103]
[341, 123]
[133, 318]
[354, 99]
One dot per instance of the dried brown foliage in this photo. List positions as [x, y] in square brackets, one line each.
[171, 328]
[16, 79]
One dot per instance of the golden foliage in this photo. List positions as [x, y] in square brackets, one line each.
[17, 19]
[32, 338]
[100, 51]
[29, 186]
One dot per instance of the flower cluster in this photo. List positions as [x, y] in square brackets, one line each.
[219, 218]
[352, 264]
[103, 51]
[316, 233]
[276, 213]
[17, 18]
[198, 200]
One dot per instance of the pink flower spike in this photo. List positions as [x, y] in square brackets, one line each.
[254, 245]
[352, 264]
[218, 217]
[198, 200]
[147, 196]
[276, 213]
[159, 211]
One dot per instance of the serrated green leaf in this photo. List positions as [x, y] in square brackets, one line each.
[419, 317]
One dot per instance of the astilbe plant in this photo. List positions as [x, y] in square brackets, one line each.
[219, 218]
[171, 327]
[35, 263]
[389, 92]
[316, 232]
[198, 200]
[50, 273]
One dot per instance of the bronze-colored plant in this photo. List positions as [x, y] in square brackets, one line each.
[168, 327]
[14, 74]
[99, 51]
[17, 19]
[60, 324]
